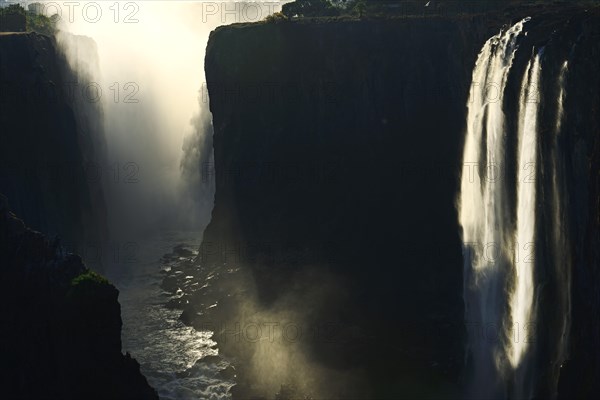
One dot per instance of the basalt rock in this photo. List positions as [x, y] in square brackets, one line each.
[52, 144]
[61, 329]
[338, 146]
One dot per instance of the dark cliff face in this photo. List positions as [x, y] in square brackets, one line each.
[63, 324]
[51, 144]
[338, 147]
[62, 336]
[578, 42]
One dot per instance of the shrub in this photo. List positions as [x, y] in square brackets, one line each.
[41, 23]
[88, 285]
[310, 8]
[276, 18]
[89, 278]
[14, 18]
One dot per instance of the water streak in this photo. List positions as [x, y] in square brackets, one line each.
[562, 255]
[483, 210]
[522, 296]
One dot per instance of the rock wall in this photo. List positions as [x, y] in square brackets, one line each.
[61, 335]
[338, 147]
[51, 143]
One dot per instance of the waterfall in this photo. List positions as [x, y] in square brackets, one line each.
[502, 263]
[522, 295]
[483, 212]
[562, 256]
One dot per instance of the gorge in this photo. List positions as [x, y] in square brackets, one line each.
[405, 206]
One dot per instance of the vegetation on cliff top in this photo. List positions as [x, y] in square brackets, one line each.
[89, 285]
[16, 19]
[377, 8]
[89, 277]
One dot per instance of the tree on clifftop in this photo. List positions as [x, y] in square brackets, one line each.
[309, 8]
[14, 18]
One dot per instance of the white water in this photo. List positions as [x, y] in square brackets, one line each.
[483, 210]
[522, 296]
[499, 254]
[499, 230]
[155, 336]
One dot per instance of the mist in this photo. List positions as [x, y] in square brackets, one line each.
[157, 122]
[286, 348]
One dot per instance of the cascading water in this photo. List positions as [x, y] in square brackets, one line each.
[522, 296]
[499, 255]
[506, 276]
[561, 250]
[483, 210]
